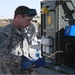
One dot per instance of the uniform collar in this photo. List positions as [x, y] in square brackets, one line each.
[16, 30]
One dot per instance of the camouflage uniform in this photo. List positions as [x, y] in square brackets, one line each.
[30, 32]
[10, 39]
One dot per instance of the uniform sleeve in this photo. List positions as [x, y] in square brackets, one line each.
[4, 43]
[10, 61]
[3, 40]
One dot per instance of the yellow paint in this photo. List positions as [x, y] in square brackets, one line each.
[49, 20]
[44, 10]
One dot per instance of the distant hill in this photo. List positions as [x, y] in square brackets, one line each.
[2, 24]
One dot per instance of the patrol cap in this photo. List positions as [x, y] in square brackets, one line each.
[25, 10]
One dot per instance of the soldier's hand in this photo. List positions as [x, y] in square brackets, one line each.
[25, 63]
[39, 62]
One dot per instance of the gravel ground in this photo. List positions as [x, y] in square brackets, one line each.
[44, 70]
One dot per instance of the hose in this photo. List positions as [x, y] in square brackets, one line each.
[53, 54]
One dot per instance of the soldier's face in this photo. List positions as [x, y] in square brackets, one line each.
[26, 21]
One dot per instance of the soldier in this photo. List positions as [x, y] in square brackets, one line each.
[30, 32]
[11, 39]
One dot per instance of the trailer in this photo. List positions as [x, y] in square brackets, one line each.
[55, 16]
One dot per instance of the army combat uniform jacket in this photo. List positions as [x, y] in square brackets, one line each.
[11, 40]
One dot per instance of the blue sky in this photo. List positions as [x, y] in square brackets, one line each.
[7, 7]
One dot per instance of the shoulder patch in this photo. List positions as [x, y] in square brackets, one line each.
[3, 38]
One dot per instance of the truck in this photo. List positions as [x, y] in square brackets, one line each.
[56, 15]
